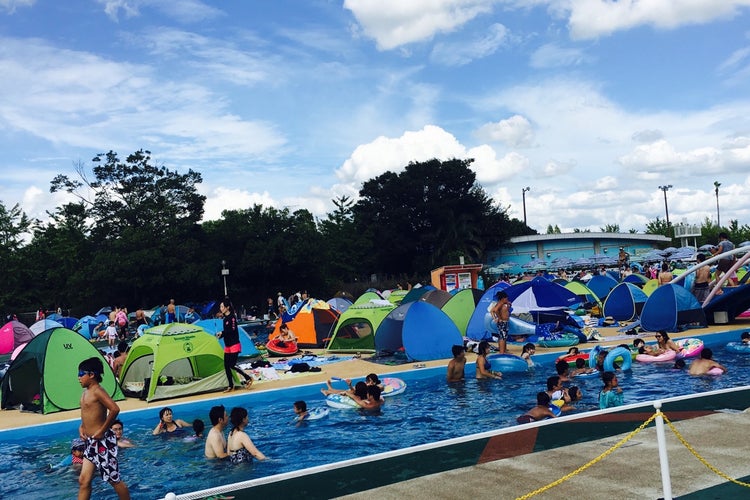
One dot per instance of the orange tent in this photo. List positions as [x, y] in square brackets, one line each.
[311, 323]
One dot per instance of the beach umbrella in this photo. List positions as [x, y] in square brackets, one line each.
[535, 264]
[582, 262]
[540, 294]
[744, 244]
[706, 248]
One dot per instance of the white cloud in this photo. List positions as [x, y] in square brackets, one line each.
[462, 53]
[515, 132]
[491, 170]
[596, 18]
[662, 155]
[10, 6]
[552, 55]
[186, 11]
[392, 23]
[223, 198]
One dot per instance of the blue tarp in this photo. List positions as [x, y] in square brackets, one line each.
[671, 307]
[421, 329]
[625, 302]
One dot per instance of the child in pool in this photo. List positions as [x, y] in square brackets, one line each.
[484, 368]
[528, 350]
[76, 451]
[542, 410]
[581, 368]
[745, 338]
[611, 395]
[300, 410]
[198, 427]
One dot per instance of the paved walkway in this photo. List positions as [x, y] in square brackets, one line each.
[630, 472]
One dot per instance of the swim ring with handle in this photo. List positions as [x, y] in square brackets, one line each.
[669, 355]
[621, 353]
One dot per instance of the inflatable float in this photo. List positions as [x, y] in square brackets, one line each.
[392, 386]
[572, 358]
[739, 347]
[507, 363]
[619, 355]
[277, 347]
[715, 371]
[690, 348]
[317, 413]
[670, 355]
[564, 340]
[340, 401]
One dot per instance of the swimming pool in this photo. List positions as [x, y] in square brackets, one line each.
[435, 410]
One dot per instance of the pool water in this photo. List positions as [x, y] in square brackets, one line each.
[430, 410]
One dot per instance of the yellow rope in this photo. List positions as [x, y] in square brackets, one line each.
[590, 463]
[697, 455]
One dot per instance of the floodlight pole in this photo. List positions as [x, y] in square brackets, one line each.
[224, 274]
[523, 196]
[666, 208]
[718, 219]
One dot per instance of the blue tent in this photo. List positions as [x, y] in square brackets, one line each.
[477, 327]
[421, 329]
[213, 326]
[416, 292]
[540, 295]
[670, 307]
[85, 326]
[601, 285]
[625, 302]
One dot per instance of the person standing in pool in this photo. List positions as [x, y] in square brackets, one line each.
[239, 445]
[611, 395]
[484, 368]
[216, 443]
[457, 364]
[501, 315]
[702, 365]
[98, 413]
[167, 423]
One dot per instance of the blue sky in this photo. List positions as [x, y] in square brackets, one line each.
[592, 104]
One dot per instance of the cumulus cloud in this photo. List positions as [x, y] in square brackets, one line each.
[515, 132]
[555, 168]
[596, 18]
[393, 23]
[462, 53]
[552, 55]
[661, 154]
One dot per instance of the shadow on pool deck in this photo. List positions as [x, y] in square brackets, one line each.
[631, 471]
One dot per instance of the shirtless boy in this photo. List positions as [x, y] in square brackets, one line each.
[501, 315]
[98, 413]
[457, 364]
[701, 365]
[216, 443]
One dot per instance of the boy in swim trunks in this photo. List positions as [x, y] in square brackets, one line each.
[501, 315]
[98, 413]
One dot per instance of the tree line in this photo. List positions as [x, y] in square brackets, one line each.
[134, 236]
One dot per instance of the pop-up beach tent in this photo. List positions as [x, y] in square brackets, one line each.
[176, 359]
[477, 329]
[355, 328]
[461, 306]
[44, 375]
[311, 324]
[423, 331]
[601, 285]
[625, 302]
[12, 334]
[670, 307]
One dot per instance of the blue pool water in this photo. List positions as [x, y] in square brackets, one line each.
[430, 410]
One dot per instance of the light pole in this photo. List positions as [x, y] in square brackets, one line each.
[666, 208]
[523, 196]
[224, 274]
[716, 186]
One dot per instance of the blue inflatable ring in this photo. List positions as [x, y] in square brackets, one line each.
[618, 352]
[507, 363]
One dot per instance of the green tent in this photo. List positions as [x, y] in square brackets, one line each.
[44, 375]
[585, 293]
[366, 297]
[172, 360]
[355, 328]
[461, 306]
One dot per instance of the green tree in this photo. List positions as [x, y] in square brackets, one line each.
[659, 226]
[14, 229]
[148, 244]
[427, 216]
[610, 228]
